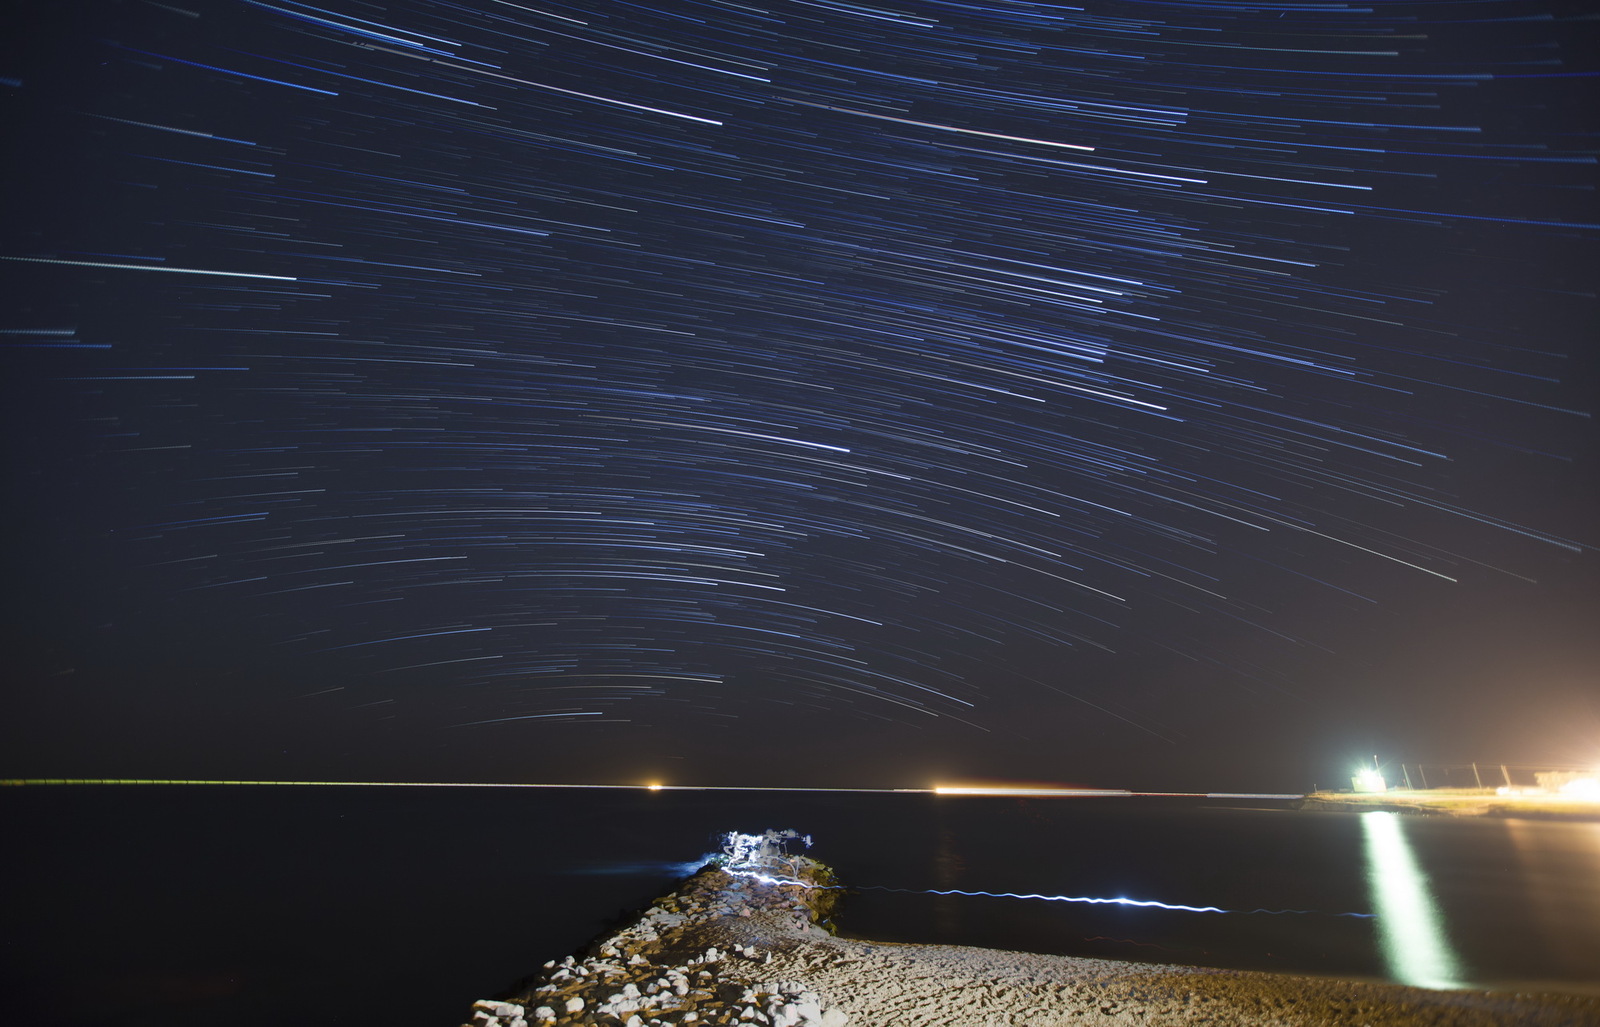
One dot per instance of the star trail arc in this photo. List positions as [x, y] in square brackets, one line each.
[676, 360]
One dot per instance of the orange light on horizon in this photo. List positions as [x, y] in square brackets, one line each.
[1025, 790]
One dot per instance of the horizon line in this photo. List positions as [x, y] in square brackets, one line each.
[941, 790]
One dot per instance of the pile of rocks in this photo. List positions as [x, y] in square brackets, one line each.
[696, 957]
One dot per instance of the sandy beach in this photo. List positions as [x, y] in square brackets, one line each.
[744, 947]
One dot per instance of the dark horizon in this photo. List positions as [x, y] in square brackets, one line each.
[1155, 395]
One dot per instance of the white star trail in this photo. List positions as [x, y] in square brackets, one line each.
[773, 365]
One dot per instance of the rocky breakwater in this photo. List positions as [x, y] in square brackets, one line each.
[740, 943]
[700, 956]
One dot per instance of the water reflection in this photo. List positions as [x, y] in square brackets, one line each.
[1558, 873]
[1411, 933]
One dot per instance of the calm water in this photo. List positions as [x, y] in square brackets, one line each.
[180, 906]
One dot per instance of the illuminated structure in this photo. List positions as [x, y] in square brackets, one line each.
[1369, 779]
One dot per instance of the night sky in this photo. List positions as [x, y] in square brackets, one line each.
[1186, 395]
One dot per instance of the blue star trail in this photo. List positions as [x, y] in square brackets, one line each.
[546, 368]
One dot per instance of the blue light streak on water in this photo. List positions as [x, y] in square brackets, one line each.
[1085, 899]
[1101, 901]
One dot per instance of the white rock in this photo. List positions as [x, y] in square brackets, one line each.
[574, 1004]
[634, 1021]
[544, 1013]
[834, 1018]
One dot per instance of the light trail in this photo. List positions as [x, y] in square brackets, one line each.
[996, 792]
[150, 267]
[35, 781]
[1100, 901]
[798, 308]
[1090, 900]
[1003, 791]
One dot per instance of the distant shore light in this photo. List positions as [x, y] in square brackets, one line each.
[1022, 790]
[1369, 780]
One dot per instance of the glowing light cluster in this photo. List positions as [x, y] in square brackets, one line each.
[744, 851]
[1582, 788]
[1369, 780]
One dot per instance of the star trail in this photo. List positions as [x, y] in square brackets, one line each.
[587, 377]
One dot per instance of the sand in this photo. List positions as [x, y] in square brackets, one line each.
[742, 949]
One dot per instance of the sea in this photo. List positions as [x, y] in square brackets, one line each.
[190, 905]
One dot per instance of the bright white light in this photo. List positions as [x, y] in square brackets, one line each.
[754, 851]
[741, 849]
[1411, 932]
[1582, 788]
[1369, 780]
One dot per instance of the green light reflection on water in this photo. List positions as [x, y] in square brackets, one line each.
[1411, 935]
